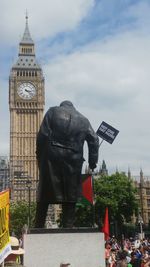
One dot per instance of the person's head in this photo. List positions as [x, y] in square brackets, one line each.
[65, 264]
[113, 251]
[15, 249]
[122, 255]
[133, 255]
[107, 245]
[146, 255]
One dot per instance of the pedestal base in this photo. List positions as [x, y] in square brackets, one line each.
[81, 247]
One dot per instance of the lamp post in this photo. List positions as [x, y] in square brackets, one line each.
[140, 221]
[28, 182]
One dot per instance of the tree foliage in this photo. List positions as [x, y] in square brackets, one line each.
[84, 215]
[118, 193]
[19, 216]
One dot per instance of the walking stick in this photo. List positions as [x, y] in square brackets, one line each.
[93, 207]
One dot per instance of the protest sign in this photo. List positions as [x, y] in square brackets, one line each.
[107, 132]
[5, 248]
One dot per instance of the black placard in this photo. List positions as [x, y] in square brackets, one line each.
[107, 132]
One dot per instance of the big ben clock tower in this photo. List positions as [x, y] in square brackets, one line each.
[26, 104]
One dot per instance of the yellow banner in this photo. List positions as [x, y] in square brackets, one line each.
[4, 225]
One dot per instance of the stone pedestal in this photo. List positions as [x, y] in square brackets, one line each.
[81, 247]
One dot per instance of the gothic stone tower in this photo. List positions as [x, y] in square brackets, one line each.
[26, 104]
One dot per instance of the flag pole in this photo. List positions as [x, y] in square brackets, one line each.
[101, 142]
[105, 228]
[93, 207]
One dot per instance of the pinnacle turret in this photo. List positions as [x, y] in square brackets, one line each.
[141, 177]
[26, 39]
[103, 170]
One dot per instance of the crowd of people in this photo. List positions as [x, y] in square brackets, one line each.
[129, 253]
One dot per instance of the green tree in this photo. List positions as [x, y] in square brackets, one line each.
[84, 215]
[19, 215]
[118, 193]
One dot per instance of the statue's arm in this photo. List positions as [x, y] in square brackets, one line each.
[93, 146]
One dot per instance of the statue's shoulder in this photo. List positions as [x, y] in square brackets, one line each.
[51, 109]
[50, 112]
[82, 117]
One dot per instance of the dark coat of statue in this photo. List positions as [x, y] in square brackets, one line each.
[60, 153]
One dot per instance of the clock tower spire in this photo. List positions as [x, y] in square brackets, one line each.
[26, 39]
[26, 105]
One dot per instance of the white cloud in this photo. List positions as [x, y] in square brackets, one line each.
[46, 17]
[109, 81]
[106, 80]
[120, 74]
[4, 119]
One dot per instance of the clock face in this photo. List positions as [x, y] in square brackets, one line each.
[26, 90]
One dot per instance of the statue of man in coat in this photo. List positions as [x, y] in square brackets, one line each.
[59, 150]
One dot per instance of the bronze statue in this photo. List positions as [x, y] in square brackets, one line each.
[59, 151]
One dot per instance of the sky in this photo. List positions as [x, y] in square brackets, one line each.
[95, 53]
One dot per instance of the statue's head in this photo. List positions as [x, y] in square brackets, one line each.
[66, 103]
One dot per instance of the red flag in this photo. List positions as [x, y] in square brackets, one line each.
[87, 189]
[105, 228]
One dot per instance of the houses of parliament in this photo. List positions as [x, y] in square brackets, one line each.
[26, 106]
